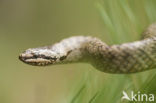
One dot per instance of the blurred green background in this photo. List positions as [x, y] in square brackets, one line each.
[32, 23]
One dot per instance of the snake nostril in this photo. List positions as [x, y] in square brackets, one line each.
[20, 57]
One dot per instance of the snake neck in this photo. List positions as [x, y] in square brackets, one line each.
[79, 49]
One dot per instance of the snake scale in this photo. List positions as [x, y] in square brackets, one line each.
[125, 58]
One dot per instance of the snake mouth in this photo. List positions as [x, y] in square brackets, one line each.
[37, 60]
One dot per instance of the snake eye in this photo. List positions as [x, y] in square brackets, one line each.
[35, 56]
[51, 58]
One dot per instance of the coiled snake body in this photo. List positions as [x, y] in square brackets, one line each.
[125, 58]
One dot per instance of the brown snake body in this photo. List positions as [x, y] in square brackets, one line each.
[131, 57]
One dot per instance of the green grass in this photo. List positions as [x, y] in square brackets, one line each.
[123, 21]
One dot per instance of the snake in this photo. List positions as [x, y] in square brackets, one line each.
[125, 58]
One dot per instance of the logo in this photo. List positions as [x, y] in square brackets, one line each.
[137, 96]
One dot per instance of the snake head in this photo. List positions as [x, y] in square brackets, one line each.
[39, 57]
